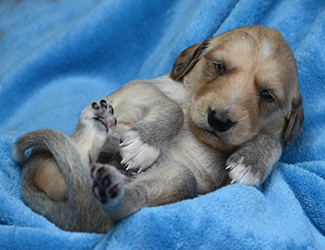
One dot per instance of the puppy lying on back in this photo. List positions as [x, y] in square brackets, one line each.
[219, 117]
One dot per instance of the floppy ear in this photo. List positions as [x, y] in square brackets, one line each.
[295, 120]
[185, 61]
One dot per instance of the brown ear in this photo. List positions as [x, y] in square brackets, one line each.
[185, 61]
[295, 120]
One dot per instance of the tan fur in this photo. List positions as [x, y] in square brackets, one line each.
[256, 59]
[169, 139]
[49, 180]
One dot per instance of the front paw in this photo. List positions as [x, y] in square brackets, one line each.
[108, 187]
[242, 171]
[254, 160]
[136, 155]
[247, 169]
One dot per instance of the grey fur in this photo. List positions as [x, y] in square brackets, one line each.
[165, 156]
[71, 213]
[166, 180]
[259, 156]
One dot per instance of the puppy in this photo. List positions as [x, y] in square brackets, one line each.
[219, 117]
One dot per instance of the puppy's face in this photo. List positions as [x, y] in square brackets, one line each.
[241, 83]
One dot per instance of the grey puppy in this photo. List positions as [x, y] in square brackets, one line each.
[219, 117]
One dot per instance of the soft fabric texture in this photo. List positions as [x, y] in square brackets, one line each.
[57, 56]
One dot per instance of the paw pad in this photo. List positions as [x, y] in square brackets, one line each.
[108, 185]
[103, 114]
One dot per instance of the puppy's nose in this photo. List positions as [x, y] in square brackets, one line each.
[219, 121]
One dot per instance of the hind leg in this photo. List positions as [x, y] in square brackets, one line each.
[108, 187]
[94, 128]
[120, 197]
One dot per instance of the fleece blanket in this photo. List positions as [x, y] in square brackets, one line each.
[57, 56]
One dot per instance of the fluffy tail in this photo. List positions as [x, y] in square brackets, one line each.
[80, 212]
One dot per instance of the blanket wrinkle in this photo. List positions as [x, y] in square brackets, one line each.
[58, 56]
[309, 192]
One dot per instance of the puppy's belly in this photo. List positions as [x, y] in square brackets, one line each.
[205, 162]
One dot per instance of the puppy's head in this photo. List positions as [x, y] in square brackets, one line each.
[241, 83]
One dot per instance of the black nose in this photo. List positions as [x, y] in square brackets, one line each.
[219, 121]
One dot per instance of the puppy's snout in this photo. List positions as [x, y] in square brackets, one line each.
[219, 121]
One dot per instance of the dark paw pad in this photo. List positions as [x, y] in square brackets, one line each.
[103, 114]
[107, 183]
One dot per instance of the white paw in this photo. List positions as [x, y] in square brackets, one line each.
[136, 155]
[241, 173]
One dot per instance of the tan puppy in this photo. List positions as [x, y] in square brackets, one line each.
[219, 117]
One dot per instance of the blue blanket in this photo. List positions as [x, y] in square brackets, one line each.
[57, 56]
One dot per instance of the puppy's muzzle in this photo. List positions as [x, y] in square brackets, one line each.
[219, 121]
